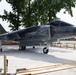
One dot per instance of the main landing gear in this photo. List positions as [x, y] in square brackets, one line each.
[22, 48]
[45, 49]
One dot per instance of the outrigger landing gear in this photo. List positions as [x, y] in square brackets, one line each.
[45, 50]
[1, 50]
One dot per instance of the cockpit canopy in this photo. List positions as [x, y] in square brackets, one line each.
[59, 23]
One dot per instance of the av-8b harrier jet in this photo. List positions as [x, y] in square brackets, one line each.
[39, 35]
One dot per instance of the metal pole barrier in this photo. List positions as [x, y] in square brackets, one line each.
[60, 45]
[74, 47]
[7, 65]
[66, 45]
[4, 64]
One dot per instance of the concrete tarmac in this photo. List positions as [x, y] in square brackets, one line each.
[32, 58]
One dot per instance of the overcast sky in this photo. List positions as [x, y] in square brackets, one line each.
[64, 17]
[4, 5]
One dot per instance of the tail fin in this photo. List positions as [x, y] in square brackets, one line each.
[2, 30]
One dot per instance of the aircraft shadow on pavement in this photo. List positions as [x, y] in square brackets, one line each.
[34, 54]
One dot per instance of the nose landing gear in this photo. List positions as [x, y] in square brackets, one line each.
[45, 50]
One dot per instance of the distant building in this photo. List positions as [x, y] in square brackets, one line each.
[73, 38]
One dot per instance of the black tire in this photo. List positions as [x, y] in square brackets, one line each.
[1, 50]
[33, 47]
[21, 48]
[24, 47]
[45, 50]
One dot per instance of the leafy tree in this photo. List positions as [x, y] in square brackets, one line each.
[44, 11]
[33, 12]
[26, 17]
[14, 17]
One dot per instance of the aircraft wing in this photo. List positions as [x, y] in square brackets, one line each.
[35, 32]
[11, 36]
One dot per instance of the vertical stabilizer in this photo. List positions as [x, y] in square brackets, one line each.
[2, 30]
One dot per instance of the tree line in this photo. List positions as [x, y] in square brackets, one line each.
[28, 13]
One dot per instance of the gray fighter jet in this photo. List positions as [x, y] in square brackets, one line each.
[40, 35]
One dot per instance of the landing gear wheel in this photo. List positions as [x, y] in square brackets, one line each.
[1, 50]
[22, 48]
[45, 50]
[33, 47]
